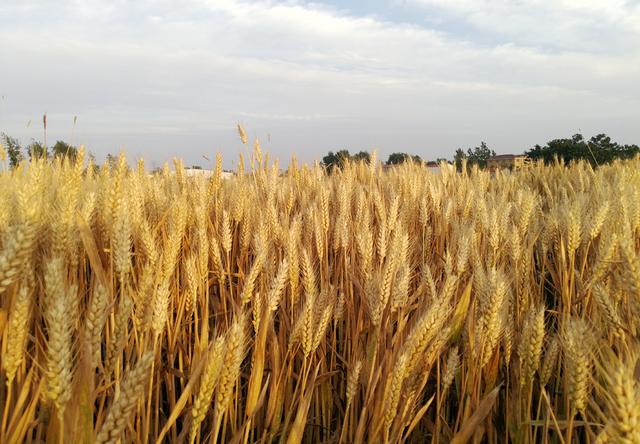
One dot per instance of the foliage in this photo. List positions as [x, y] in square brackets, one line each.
[335, 160]
[338, 159]
[398, 158]
[111, 160]
[458, 158]
[14, 150]
[64, 150]
[479, 155]
[37, 150]
[362, 155]
[598, 150]
[476, 156]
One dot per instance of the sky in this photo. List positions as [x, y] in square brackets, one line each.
[163, 79]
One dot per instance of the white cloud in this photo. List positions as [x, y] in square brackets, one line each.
[602, 26]
[161, 73]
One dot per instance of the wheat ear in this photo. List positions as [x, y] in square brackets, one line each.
[122, 408]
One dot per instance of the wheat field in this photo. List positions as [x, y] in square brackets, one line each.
[359, 306]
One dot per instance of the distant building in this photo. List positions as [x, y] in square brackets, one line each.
[507, 161]
[437, 167]
[195, 172]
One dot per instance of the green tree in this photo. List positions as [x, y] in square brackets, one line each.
[331, 160]
[398, 158]
[598, 150]
[14, 150]
[362, 155]
[458, 158]
[63, 149]
[37, 150]
[479, 155]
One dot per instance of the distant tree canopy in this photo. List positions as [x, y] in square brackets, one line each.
[398, 158]
[476, 156]
[60, 150]
[111, 160]
[331, 160]
[63, 149]
[597, 150]
[479, 155]
[14, 150]
[37, 150]
[362, 155]
[337, 159]
[458, 157]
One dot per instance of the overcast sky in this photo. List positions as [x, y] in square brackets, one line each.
[172, 78]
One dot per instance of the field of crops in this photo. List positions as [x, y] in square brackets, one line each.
[361, 306]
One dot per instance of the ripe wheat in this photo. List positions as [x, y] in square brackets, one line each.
[361, 305]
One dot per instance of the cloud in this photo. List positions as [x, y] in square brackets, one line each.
[159, 75]
[592, 26]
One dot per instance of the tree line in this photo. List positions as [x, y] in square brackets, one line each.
[597, 150]
[477, 155]
[337, 159]
[16, 153]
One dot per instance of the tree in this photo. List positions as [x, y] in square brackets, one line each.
[37, 150]
[331, 160]
[338, 159]
[398, 158]
[458, 158]
[597, 150]
[362, 155]
[112, 161]
[479, 155]
[64, 150]
[14, 150]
